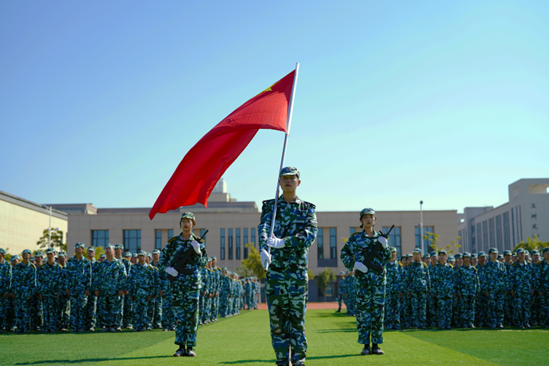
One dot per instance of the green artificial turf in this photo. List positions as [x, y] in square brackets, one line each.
[245, 340]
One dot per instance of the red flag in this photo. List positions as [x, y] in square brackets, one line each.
[199, 171]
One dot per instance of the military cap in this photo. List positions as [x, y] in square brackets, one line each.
[514, 254]
[188, 215]
[500, 256]
[80, 245]
[426, 255]
[520, 250]
[546, 250]
[50, 250]
[408, 255]
[493, 250]
[474, 255]
[141, 252]
[103, 256]
[534, 252]
[134, 255]
[148, 254]
[14, 257]
[127, 254]
[119, 246]
[224, 268]
[433, 254]
[457, 255]
[442, 251]
[341, 273]
[2, 251]
[31, 259]
[109, 246]
[156, 251]
[451, 258]
[417, 250]
[466, 255]
[506, 252]
[27, 251]
[38, 254]
[214, 258]
[367, 211]
[481, 253]
[289, 170]
[393, 249]
[91, 249]
[62, 253]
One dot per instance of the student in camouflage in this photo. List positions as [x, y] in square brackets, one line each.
[467, 287]
[543, 287]
[481, 304]
[126, 318]
[418, 283]
[523, 275]
[493, 286]
[216, 290]
[91, 306]
[5, 288]
[159, 282]
[140, 291]
[432, 312]
[442, 289]
[63, 318]
[37, 314]
[79, 271]
[295, 229]
[340, 291]
[394, 292]
[50, 287]
[185, 288]
[109, 288]
[508, 301]
[23, 287]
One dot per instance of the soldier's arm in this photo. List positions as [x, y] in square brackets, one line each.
[307, 236]
[347, 256]
[264, 228]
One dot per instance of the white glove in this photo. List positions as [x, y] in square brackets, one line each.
[361, 267]
[275, 242]
[383, 241]
[196, 246]
[172, 271]
[265, 257]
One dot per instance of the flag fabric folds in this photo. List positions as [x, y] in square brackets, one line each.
[201, 168]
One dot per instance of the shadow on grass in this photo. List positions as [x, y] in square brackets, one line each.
[272, 361]
[90, 360]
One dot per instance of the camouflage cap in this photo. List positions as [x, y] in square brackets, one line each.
[481, 253]
[134, 255]
[26, 251]
[188, 215]
[520, 250]
[367, 211]
[127, 254]
[341, 273]
[433, 254]
[31, 259]
[451, 258]
[2, 251]
[119, 246]
[500, 256]
[514, 254]
[14, 257]
[493, 250]
[156, 251]
[474, 255]
[91, 249]
[80, 245]
[62, 253]
[442, 251]
[408, 256]
[289, 170]
[38, 254]
[141, 252]
[148, 254]
[507, 252]
[417, 250]
[103, 256]
[458, 256]
[214, 258]
[426, 255]
[224, 268]
[534, 252]
[109, 246]
[50, 250]
[466, 255]
[393, 249]
[546, 250]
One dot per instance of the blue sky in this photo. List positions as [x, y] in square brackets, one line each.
[396, 101]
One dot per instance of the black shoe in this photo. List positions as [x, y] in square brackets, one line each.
[180, 352]
[366, 350]
[376, 350]
[190, 352]
[338, 310]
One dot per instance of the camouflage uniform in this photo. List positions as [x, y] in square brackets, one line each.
[524, 278]
[185, 288]
[141, 288]
[63, 319]
[481, 302]
[370, 290]
[5, 288]
[494, 283]
[468, 286]
[79, 280]
[91, 307]
[508, 300]
[350, 290]
[543, 287]
[418, 283]
[111, 278]
[155, 318]
[126, 318]
[23, 287]
[50, 287]
[216, 284]
[443, 289]
[225, 294]
[395, 274]
[204, 285]
[287, 276]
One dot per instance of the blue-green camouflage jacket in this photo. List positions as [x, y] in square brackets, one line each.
[24, 280]
[394, 276]
[5, 278]
[524, 277]
[543, 276]
[198, 261]
[50, 279]
[442, 279]
[141, 280]
[417, 277]
[79, 274]
[296, 224]
[467, 281]
[111, 278]
[493, 277]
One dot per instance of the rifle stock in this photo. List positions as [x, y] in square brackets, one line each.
[182, 258]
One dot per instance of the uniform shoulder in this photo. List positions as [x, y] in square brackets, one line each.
[355, 234]
[425, 265]
[451, 265]
[308, 205]
[173, 239]
[268, 202]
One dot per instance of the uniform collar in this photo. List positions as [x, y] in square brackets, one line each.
[296, 200]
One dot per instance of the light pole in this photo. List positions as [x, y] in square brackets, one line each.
[49, 229]
[422, 242]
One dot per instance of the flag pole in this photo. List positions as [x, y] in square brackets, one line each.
[288, 125]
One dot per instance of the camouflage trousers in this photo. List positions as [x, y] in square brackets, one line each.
[545, 307]
[370, 308]
[495, 308]
[467, 311]
[168, 316]
[127, 312]
[432, 310]
[224, 305]
[482, 314]
[3, 311]
[444, 310]
[91, 312]
[508, 309]
[392, 310]
[535, 318]
[351, 303]
[79, 301]
[22, 307]
[185, 305]
[63, 319]
[207, 309]
[215, 307]
[339, 299]
[49, 303]
[286, 291]
[156, 317]
[111, 310]
[455, 318]
[140, 305]
[36, 319]
[201, 304]
[418, 302]
[523, 303]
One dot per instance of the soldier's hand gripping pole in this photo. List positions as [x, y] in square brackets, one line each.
[368, 258]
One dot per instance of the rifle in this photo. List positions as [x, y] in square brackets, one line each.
[369, 257]
[183, 258]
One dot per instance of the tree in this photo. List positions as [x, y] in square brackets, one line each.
[98, 252]
[432, 238]
[56, 240]
[530, 244]
[310, 274]
[252, 265]
[448, 248]
[325, 279]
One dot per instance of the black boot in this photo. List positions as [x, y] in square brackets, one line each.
[180, 352]
[190, 352]
[366, 350]
[338, 310]
[376, 350]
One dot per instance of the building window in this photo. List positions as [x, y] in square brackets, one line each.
[426, 243]
[513, 225]
[479, 237]
[132, 240]
[394, 239]
[492, 227]
[506, 232]
[202, 231]
[237, 243]
[100, 238]
[158, 239]
[485, 242]
[320, 242]
[222, 243]
[231, 243]
[253, 235]
[245, 241]
[499, 233]
[520, 225]
[333, 243]
[170, 234]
